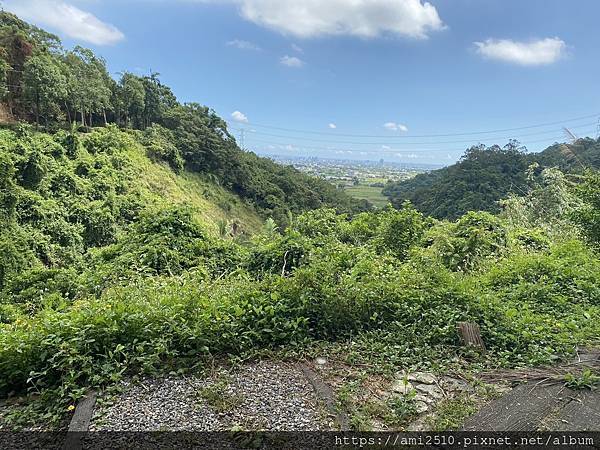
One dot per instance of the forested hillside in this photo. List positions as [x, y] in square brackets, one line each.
[484, 176]
[56, 88]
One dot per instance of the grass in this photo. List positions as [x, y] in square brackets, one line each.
[217, 397]
[451, 413]
[370, 193]
[214, 203]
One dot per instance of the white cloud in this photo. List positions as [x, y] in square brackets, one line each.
[297, 48]
[291, 61]
[243, 45]
[393, 126]
[364, 18]
[66, 19]
[333, 126]
[532, 53]
[239, 117]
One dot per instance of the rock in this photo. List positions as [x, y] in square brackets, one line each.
[423, 398]
[402, 386]
[422, 377]
[456, 385]
[431, 390]
[421, 407]
[320, 361]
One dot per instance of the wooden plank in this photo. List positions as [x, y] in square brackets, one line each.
[525, 408]
[326, 394]
[80, 422]
[471, 334]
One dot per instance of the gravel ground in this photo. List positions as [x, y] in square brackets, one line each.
[261, 396]
[157, 405]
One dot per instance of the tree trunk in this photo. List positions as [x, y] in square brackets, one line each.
[68, 113]
[37, 110]
[471, 335]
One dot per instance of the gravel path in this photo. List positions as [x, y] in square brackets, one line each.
[261, 396]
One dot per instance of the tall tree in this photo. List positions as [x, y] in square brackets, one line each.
[158, 100]
[132, 99]
[44, 86]
[89, 89]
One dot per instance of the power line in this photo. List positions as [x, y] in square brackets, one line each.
[425, 135]
[282, 145]
[463, 141]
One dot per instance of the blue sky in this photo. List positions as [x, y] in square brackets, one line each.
[366, 79]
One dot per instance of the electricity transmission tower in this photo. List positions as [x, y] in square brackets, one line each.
[570, 136]
[242, 138]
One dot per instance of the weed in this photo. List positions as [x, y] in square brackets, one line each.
[587, 379]
[451, 413]
[217, 397]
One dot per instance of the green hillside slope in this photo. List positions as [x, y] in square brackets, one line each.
[484, 176]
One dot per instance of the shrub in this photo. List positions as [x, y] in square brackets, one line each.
[399, 230]
[159, 143]
[470, 241]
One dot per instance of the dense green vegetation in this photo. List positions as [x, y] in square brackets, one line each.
[57, 88]
[484, 176]
[137, 250]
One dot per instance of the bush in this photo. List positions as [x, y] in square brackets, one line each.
[466, 244]
[399, 230]
[159, 143]
[588, 215]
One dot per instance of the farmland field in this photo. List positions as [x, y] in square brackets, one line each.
[370, 193]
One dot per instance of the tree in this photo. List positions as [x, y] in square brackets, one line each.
[132, 99]
[88, 85]
[588, 215]
[158, 100]
[44, 86]
[18, 42]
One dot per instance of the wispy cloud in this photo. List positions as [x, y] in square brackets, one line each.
[243, 45]
[532, 53]
[333, 126]
[66, 19]
[297, 48]
[291, 61]
[393, 126]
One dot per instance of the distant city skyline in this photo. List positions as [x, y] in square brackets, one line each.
[405, 80]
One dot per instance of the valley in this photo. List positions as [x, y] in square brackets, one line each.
[155, 275]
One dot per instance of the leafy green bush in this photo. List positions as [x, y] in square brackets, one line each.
[399, 230]
[470, 241]
[159, 143]
[588, 214]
